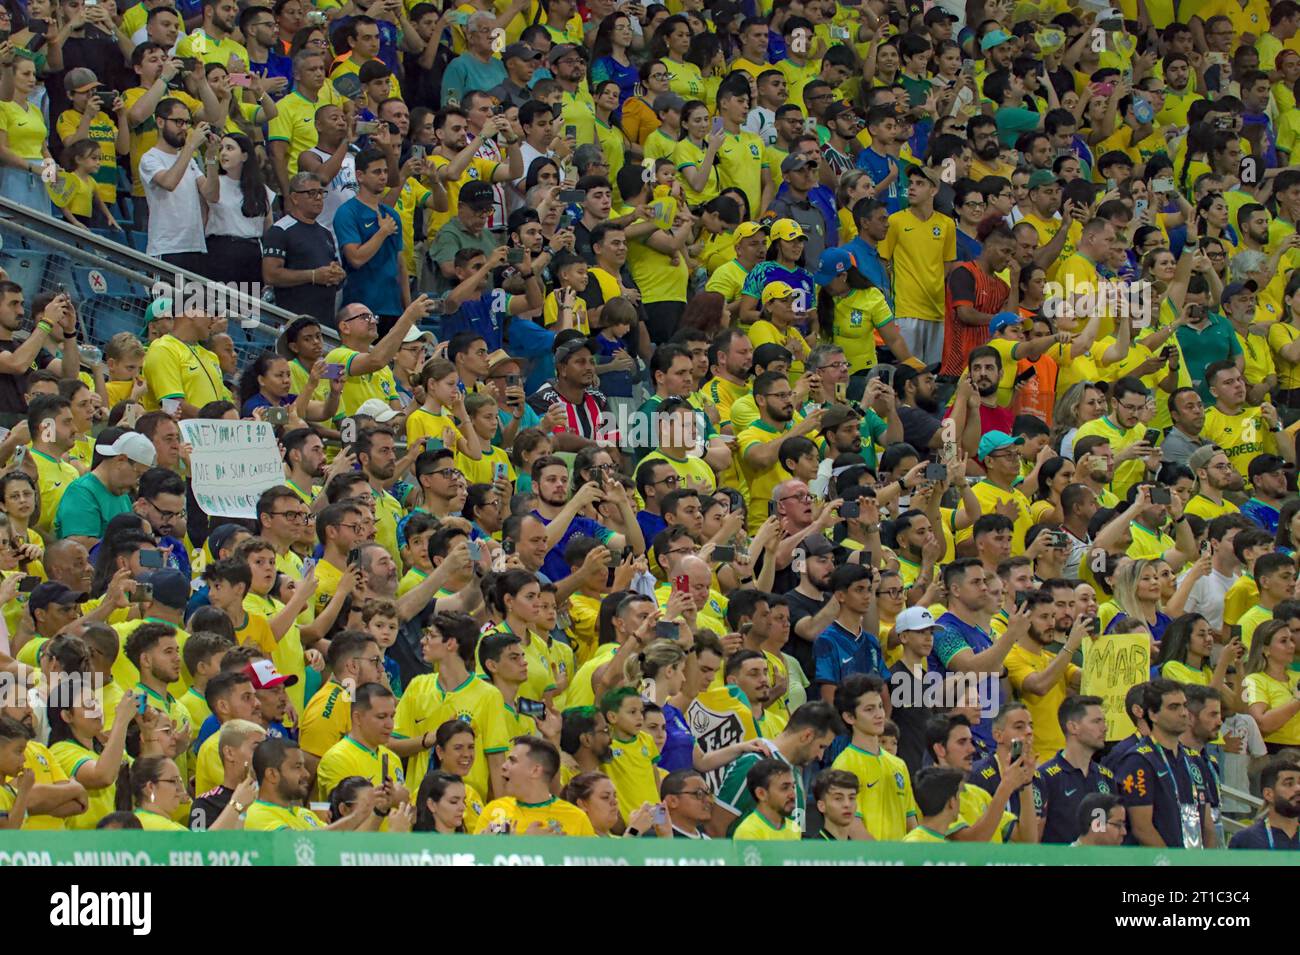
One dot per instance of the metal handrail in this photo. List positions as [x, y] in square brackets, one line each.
[42, 229]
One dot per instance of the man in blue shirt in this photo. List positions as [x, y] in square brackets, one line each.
[1065, 780]
[963, 644]
[369, 236]
[1268, 481]
[563, 517]
[1280, 785]
[871, 216]
[844, 648]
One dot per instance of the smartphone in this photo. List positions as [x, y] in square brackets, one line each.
[566, 222]
[659, 814]
[1021, 597]
[724, 553]
[354, 556]
[507, 545]
[851, 509]
[433, 444]
[534, 708]
[968, 67]
[1139, 208]
[933, 472]
[499, 471]
[1060, 539]
[666, 630]
[1160, 495]
[141, 593]
[1017, 749]
[38, 26]
[1152, 436]
[1094, 626]
[1025, 375]
[475, 551]
[570, 132]
[188, 63]
[615, 558]
[316, 17]
[512, 381]
[514, 256]
[771, 506]
[418, 152]
[333, 372]
[153, 559]
[573, 195]
[367, 127]
[143, 704]
[275, 417]
[28, 584]
[717, 125]
[1162, 185]
[238, 79]
[682, 584]
[383, 767]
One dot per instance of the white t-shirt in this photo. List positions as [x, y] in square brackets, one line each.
[1236, 766]
[1207, 596]
[226, 215]
[761, 121]
[340, 189]
[175, 217]
[142, 35]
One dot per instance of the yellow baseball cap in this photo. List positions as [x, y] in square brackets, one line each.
[746, 229]
[775, 290]
[787, 229]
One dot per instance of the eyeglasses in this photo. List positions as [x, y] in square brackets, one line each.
[354, 528]
[171, 782]
[669, 481]
[805, 497]
[449, 473]
[179, 120]
[836, 364]
[367, 317]
[703, 795]
[974, 203]
[313, 193]
[893, 592]
[293, 517]
[602, 467]
[1134, 409]
[373, 661]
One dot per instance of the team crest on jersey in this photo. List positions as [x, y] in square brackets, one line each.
[898, 781]
[473, 173]
[615, 751]
[753, 150]
[855, 318]
[1103, 787]
[936, 232]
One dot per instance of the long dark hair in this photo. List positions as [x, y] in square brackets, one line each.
[432, 788]
[248, 385]
[535, 170]
[659, 42]
[251, 183]
[704, 48]
[826, 301]
[1177, 640]
[603, 45]
[1284, 538]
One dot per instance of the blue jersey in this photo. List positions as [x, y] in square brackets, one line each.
[799, 279]
[839, 654]
[274, 66]
[1265, 515]
[878, 167]
[953, 636]
[375, 282]
[484, 316]
[1059, 787]
[1151, 776]
[554, 566]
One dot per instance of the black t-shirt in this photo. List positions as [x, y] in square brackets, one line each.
[918, 427]
[801, 607]
[303, 245]
[910, 714]
[206, 808]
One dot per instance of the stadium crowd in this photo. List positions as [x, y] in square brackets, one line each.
[728, 420]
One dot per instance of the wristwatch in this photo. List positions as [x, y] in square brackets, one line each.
[239, 806]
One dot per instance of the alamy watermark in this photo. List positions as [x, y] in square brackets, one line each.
[241, 301]
[63, 690]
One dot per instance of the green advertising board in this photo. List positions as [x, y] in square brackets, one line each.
[135, 848]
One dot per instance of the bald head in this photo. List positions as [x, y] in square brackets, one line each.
[697, 570]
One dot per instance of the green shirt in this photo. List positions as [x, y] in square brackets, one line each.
[87, 507]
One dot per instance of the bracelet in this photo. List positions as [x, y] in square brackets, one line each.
[45, 327]
[526, 275]
[631, 832]
[313, 276]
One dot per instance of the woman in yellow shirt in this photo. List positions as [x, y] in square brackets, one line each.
[23, 149]
[19, 501]
[158, 793]
[1269, 689]
[1184, 655]
[696, 155]
[74, 742]
[854, 186]
[670, 44]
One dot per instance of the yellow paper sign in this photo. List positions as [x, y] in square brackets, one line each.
[1112, 665]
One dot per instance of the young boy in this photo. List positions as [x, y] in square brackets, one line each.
[415, 532]
[1249, 545]
[799, 456]
[382, 621]
[570, 273]
[889, 737]
[15, 782]
[228, 582]
[202, 655]
[618, 317]
[494, 462]
[124, 356]
[836, 795]
[633, 754]
[885, 799]
[937, 795]
[1275, 578]
[559, 653]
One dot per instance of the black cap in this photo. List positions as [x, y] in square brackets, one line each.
[1265, 464]
[770, 353]
[52, 592]
[477, 195]
[938, 15]
[816, 545]
[171, 588]
[569, 341]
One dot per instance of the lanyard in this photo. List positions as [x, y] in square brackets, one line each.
[1173, 777]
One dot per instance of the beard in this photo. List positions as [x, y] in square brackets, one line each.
[928, 403]
[987, 390]
[989, 151]
[781, 414]
[174, 140]
[1289, 809]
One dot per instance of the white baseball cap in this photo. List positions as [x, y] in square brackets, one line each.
[132, 444]
[914, 618]
[378, 409]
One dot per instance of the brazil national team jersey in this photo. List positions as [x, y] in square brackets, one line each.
[632, 768]
[885, 799]
[326, 720]
[426, 705]
[754, 826]
[508, 814]
[268, 817]
[349, 757]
